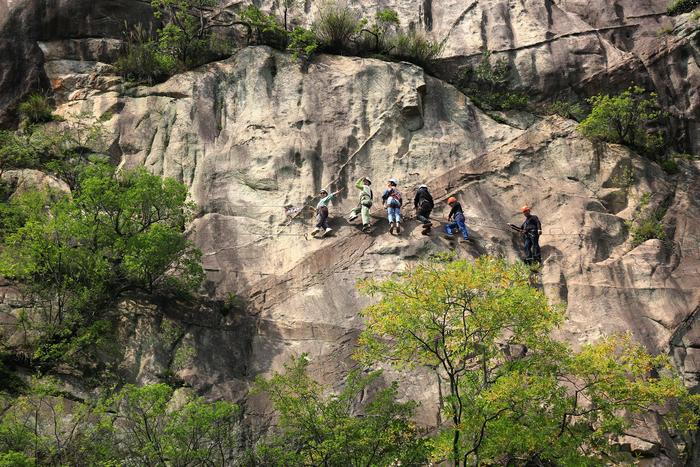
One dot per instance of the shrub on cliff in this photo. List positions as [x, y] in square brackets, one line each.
[143, 60]
[489, 85]
[36, 109]
[513, 394]
[336, 26]
[682, 6]
[626, 119]
[414, 47]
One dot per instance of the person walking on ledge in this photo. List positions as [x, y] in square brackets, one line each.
[423, 204]
[456, 219]
[322, 213]
[392, 200]
[365, 203]
[531, 230]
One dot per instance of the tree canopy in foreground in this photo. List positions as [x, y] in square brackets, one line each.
[513, 394]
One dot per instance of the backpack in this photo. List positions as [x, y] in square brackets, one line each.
[396, 197]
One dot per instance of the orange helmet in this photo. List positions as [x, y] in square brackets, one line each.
[451, 200]
[525, 208]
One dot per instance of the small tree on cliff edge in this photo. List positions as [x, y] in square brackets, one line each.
[545, 404]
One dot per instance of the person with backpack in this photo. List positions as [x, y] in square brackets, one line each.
[366, 196]
[423, 204]
[322, 213]
[456, 219]
[392, 201]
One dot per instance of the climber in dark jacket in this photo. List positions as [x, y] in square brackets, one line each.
[456, 218]
[423, 202]
[531, 231]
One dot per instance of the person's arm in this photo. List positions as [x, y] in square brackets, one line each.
[360, 184]
[452, 213]
[385, 196]
[539, 227]
[416, 199]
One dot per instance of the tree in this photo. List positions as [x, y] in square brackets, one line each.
[514, 395]
[345, 429]
[625, 119]
[134, 426]
[116, 233]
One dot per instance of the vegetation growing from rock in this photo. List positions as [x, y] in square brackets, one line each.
[74, 256]
[488, 85]
[343, 429]
[682, 6]
[35, 109]
[626, 119]
[135, 425]
[513, 394]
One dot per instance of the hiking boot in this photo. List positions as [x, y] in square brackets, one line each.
[315, 231]
[352, 217]
[391, 228]
[366, 228]
[398, 228]
[463, 240]
[328, 229]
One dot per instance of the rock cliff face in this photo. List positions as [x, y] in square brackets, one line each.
[255, 138]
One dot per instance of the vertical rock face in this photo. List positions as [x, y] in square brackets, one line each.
[255, 138]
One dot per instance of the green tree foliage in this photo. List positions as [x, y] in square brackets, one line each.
[344, 429]
[682, 6]
[36, 109]
[625, 119]
[116, 233]
[567, 109]
[186, 29]
[15, 151]
[266, 29]
[302, 44]
[381, 32]
[135, 426]
[488, 85]
[513, 394]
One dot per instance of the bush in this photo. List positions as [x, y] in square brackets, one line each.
[625, 119]
[567, 109]
[36, 109]
[682, 6]
[143, 60]
[336, 27]
[488, 85]
[414, 47]
[302, 44]
[379, 36]
[670, 166]
[648, 222]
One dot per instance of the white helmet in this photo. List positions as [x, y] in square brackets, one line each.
[394, 181]
[423, 186]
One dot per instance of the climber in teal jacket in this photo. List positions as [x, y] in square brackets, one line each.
[363, 185]
[322, 212]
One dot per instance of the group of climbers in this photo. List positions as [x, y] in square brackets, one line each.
[423, 203]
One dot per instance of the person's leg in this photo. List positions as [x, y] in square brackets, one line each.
[463, 228]
[528, 248]
[355, 212]
[449, 227]
[390, 214]
[324, 219]
[397, 215]
[536, 252]
[365, 215]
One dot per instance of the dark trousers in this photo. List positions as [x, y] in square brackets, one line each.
[322, 217]
[423, 215]
[532, 248]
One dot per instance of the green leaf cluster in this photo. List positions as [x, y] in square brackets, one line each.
[134, 426]
[35, 109]
[678, 7]
[488, 85]
[117, 232]
[625, 119]
[512, 394]
[343, 429]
